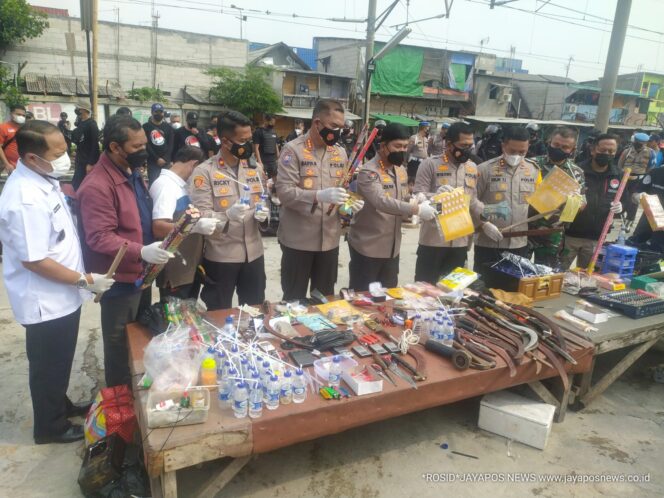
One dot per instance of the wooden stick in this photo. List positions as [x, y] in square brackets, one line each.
[538, 232]
[114, 265]
[527, 220]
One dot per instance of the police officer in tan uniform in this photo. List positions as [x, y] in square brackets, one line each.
[417, 150]
[310, 173]
[374, 238]
[233, 257]
[503, 185]
[443, 173]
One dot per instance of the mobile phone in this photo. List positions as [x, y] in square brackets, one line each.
[302, 358]
[391, 347]
[361, 351]
[378, 348]
[340, 350]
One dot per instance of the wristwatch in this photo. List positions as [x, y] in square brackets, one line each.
[82, 282]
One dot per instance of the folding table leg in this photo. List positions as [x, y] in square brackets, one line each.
[218, 482]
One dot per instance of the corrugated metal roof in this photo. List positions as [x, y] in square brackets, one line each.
[200, 95]
[67, 85]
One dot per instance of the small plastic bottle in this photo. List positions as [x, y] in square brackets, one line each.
[261, 204]
[255, 399]
[272, 402]
[417, 324]
[221, 362]
[244, 367]
[240, 400]
[286, 394]
[334, 379]
[209, 372]
[299, 387]
[244, 199]
[225, 391]
[229, 328]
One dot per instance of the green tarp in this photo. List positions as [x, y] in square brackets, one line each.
[398, 72]
[393, 118]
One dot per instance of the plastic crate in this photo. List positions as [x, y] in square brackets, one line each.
[619, 259]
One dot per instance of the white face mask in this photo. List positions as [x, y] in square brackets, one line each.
[18, 119]
[177, 125]
[60, 166]
[298, 132]
[514, 159]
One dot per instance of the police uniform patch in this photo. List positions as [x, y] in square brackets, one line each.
[286, 159]
[219, 175]
[251, 172]
[199, 181]
[442, 167]
[308, 183]
[372, 175]
[223, 190]
[223, 203]
[499, 196]
[386, 179]
[338, 172]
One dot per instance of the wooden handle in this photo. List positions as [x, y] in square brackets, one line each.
[114, 265]
[528, 220]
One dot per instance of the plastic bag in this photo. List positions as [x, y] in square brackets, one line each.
[173, 360]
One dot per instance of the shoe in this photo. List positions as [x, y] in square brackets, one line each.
[78, 409]
[71, 435]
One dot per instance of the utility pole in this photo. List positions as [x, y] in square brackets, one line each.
[155, 25]
[562, 105]
[612, 65]
[86, 25]
[371, 35]
[95, 58]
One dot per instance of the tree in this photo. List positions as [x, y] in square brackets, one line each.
[147, 94]
[9, 91]
[247, 92]
[18, 22]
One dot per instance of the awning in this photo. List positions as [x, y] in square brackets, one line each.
[393, 118]
[305, 113]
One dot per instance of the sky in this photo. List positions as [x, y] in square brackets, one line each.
[545, 33]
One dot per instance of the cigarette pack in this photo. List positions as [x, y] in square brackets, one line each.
[652, 207]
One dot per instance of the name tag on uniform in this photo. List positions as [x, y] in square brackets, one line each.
[57, 208]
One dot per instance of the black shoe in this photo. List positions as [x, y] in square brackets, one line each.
[74, 433]
[78, 409]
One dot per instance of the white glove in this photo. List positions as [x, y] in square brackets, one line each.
[426, 212]
[261, 215]
[236, 211]
[444, 188]
[100, 283]
[491, 231]
[205, 226]
[357, 205]
[636, 197]
[332, 195]
[616, 207]
[420, 197]
[155, 255]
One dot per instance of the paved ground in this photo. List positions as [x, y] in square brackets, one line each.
[621, 434]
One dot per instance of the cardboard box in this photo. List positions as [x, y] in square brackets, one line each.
[361, 381]
[517, 418]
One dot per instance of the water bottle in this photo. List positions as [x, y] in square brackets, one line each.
[334, 379]
[261, 204]
[299, 387]
[427, 328]
[244, 199]
[272, 402]
[233, 377]
[244, 367]
[448, 334]
[437, 332]
[229, 329]
[221, 363]
[286, 395]
[225, 391]
[266, 373]
[417, 324]
[240, 400]
[255, 399]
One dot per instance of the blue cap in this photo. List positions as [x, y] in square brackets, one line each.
[424, 123]
[157, 107]
[641, 137]
[446, 125]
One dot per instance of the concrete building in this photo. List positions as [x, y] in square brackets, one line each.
[581, 106]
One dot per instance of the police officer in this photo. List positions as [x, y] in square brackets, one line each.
[310, 173]
[490, 145]
[536, 147]
[375, 145]
[503, 185]
[602, 179]
[233, 258]
[44, 276]
[644, 236]
[437, 142]
[86, 138]
[417, 150]
[374, 238]
[266, 148]
[560, 150]
[640, 159]
[443, 173]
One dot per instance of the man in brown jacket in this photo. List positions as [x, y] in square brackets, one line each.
[228, 187]
[374, 239]
[309, 180]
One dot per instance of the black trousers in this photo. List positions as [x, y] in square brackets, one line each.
[222, 279]
[116, 313]
[435, 262]
[187, 291]
[50, 347]
[630, 207]
[364, 270]
[491, 255]
[298, 267]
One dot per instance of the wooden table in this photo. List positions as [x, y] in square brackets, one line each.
[620, 332]
[168, 450]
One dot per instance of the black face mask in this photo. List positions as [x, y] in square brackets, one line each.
[158, 117]
[77, 121]
[329, 135]
[460, 155]
[556, 155]
[638, 146]
[396, 158]
[242, 151]
[192, 124]
[137, 159]
[603, 159]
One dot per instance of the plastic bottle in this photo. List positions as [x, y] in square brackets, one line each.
[299, 387]
[334, 379]
[221, 362]
[244, 367]
[427, 328]
[244, 199]
[447, 337]
[286, 394]
[209, 372]
[229, 328]
[261, 204]
[272, 402]
[255, 398]
[417, 324]
[225, 391]
[265, 373]
[240, 400]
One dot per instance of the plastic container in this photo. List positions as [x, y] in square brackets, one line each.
[619, 259]
[209, 373]
[180, 416]
[286, 393]
[322, 366]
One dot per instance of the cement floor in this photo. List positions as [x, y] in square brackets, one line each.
[620, 434]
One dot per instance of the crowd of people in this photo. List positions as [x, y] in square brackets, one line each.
[58, 248]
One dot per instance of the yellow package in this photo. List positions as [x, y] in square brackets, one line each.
[554, 190]
[571, 209]
[454, 220]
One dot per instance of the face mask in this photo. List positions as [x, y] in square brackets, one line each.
[513, 159]
[298, 132]
[137, 159]
[460, 155]
[19, 119]
[396, 158]
[557, 155]
[330, 135]
[177, 125]
[637, 146]
[158, 117]
[192, 124]
[60, 166]
[603, 159]
[242, 151]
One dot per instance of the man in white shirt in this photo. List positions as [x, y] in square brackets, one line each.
[44, 276]
[170, 198]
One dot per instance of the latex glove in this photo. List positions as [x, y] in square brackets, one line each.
[100, 283]
[357, 205]
[261, 215]
[636, 197]
[332, 195]
[491, 231]
[205, 226]
[236, 211]
[420, 197]
[444, 188]
[426, 212]
[155, 255]
[270, 183]
[616, 207]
